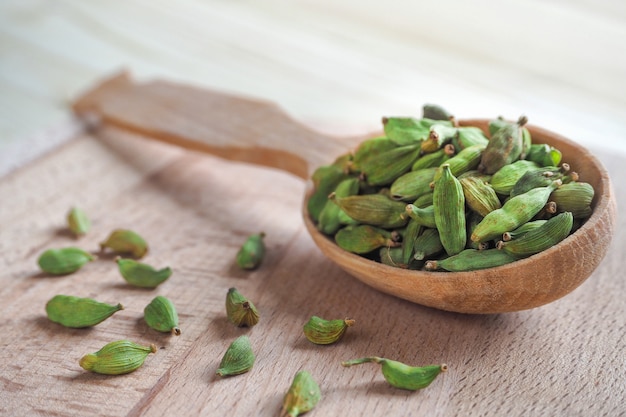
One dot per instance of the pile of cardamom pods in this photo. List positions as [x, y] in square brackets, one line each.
[432, 195]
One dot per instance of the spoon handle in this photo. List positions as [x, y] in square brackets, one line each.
[231, 127]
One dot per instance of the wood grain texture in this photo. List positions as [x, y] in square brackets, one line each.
[566, 358]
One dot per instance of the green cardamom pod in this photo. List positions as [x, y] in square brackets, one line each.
[240, 310]
[464, 161]
[161, 315]
[505, 146]
[409, 130]
[438, 136]
[384, 168]
[330, 219]
[575, 197]
[76, 312]
[473, 219]
[449, 206]
[503, 180]
[124, 241]
[78, 222]
[403, 376]
[373, 209]
[522, 230]
[303, 395]
[436, 112]
[142, 275]
[413, 184]
[427, 244]
[326, 332]
[514, 212]
[540, 177]
[238, 359]
[393, 257]
[471, 260]
[252, 251]
[497, 124]
[413, 230]
[63, 261]
[117, 358]
[325, 179]
[544, 154]
[370, 149]
[467, 136]
[541, 238]
[434, 159]
[364, 238]
[479, 195]
[423, 216]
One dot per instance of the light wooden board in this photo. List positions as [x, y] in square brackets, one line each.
[566, 358]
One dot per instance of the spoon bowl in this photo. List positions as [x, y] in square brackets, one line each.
[258, 132]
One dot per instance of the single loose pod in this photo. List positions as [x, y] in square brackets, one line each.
[117, 358]
[240, 310]
[78, 222]
[63, 261]
[303, 395]
[125, 241]
[161, 315]
[142, 275]
[403, 376]
[76, 312]
[251, 253]
[238, 359]
[326, 332]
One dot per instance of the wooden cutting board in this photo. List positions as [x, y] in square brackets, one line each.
[195, 210]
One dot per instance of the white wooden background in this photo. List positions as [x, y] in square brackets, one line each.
[336, 66]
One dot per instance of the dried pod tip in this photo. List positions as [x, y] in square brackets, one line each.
[443, 367]
[176, 331]
[574, 176]
[565, 167]
[332, 196]
[551, 207]
[506, 236]
[500, 243]
[522, 120]
[431, 265]
[349, 322]
[153, 348]
[449, 149]
[385, 120]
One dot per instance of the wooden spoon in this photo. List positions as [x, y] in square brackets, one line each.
[259, 132]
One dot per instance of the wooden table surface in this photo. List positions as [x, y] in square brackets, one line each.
[326, 65]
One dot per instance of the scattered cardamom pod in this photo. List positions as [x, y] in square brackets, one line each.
[142, 275]
[303, 395]
[161, 315]
[124, 241]
[326, 332]
[78, 222]
[251, 252]
[403, 376]
[64, 261]
[117, 358]
[76, 312]
[238, 359]
[240, 310]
